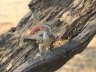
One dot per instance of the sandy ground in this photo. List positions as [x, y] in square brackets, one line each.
[11, 11]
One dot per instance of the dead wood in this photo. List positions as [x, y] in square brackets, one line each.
[74, 20]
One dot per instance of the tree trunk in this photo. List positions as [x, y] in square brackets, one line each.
[74, 20]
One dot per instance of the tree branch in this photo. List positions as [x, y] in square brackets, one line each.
[61, 55]
[70, 18]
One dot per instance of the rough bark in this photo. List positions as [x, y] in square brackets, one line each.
[74, 20]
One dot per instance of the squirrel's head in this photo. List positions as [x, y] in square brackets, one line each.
[40, 28]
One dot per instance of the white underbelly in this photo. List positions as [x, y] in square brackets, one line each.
[47, 41]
